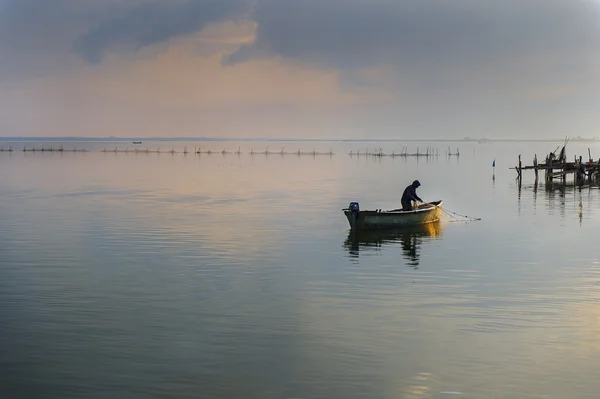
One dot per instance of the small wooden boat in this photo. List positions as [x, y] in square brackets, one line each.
[137, 142]
[378, 219]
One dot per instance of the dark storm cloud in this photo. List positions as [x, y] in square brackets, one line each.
[154, 22]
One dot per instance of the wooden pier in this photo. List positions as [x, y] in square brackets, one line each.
[556, 167]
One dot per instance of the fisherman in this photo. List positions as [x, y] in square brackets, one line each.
[409, 195]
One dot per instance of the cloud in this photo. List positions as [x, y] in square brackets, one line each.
[382, 66]
[350, 34]
[476, 65]
[36, 36]
[182, 84]
[154, 22]
[432, 45]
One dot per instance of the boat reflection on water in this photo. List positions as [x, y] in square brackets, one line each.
[409, 238]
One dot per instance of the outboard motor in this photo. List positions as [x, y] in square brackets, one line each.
[354, 208]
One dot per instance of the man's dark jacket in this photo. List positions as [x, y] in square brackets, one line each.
[410, 194]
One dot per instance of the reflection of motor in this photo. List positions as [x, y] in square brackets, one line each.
[354, 208]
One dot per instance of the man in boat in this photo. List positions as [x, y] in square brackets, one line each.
[409, 195]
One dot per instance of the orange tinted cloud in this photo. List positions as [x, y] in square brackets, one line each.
[183, 84]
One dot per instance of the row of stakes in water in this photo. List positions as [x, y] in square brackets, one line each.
[172, 151]
[430, 152]
[375, 153]
[223, 152]
[266, 152]
[45, 149]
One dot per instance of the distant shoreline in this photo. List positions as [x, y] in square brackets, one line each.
[194, 139]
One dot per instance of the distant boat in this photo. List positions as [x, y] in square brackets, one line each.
[364, 220]
[137, 142]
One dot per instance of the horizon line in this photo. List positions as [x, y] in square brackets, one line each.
[280, 139]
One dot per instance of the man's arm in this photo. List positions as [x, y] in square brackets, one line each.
[413, 194]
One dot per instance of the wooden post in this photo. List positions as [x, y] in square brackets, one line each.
[564, 171]
[547, 170]
[535, 167]
[520, 171]
[580, 172]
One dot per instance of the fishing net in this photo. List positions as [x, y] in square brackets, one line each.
[456, 217]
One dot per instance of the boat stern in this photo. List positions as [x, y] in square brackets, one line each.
[352, 213]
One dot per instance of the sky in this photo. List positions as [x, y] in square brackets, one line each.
[323, 69]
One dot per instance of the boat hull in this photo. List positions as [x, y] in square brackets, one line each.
[370, 220]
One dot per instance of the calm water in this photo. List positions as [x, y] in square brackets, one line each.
[226, 276]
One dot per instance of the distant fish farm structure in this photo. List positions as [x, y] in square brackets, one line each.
[185, 151]
[429, 152]
[556, 168]
[53, 149]
[266, 151]
[144, 151]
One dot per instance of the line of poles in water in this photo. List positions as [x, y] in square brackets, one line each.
[45, 149]
[429, 151]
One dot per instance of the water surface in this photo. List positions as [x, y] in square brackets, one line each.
[224, 275]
